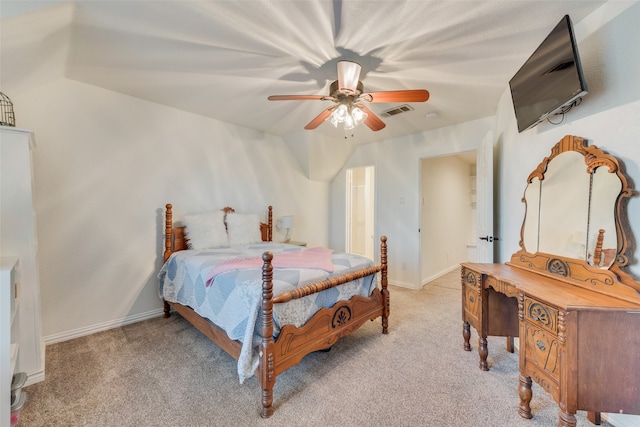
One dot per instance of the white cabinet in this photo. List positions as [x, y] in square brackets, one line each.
[9, 346]
[19, 239]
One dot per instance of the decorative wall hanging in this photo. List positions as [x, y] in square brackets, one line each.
[7, 118]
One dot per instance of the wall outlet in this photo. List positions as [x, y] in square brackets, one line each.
[404, 265]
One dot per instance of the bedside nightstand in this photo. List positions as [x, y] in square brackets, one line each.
[293, 242]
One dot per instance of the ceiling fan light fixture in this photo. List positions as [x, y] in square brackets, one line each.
[358, 115]
[334, 120]
[349, 123]
[339, 115]
[350, 116]
[341, 112]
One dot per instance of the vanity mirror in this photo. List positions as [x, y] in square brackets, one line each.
[574, 201]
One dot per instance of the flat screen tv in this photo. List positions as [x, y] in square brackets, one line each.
[551, 80]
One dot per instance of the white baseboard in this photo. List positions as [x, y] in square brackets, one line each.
[622, 420]
[440, 274]
[427, 280]
[402, 284]
[34, 377]
[37, 375]
[88, 330]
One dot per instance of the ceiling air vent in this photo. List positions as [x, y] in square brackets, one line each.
[396, 110]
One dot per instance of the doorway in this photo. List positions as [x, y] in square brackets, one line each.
[448, 225]
[360, 211]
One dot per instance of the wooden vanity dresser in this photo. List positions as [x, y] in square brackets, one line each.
[565, 293]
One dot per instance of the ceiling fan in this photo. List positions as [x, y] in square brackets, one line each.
[347, 94]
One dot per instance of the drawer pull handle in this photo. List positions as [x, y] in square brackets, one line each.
[541, 345]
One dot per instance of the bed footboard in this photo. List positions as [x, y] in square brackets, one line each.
[323, 330]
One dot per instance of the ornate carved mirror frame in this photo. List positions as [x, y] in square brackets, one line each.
[589, 271]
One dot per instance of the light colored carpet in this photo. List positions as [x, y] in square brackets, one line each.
[163, 372]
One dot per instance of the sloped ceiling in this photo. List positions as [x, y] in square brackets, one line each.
[223, 58]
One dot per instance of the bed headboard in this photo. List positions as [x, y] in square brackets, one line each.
[175, 239]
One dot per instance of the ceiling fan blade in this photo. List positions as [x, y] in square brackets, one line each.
[372, 121]
[348, 76]
[296, 98]
[320, 118]
[417, 95]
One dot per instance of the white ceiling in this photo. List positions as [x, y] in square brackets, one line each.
[223, 58]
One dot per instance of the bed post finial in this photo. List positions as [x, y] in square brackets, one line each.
[168, 231]
[384, 283]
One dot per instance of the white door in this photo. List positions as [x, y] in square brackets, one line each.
[484, 199]
[368, 213]
[360, 211]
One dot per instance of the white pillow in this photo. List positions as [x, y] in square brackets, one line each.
[243, 229]
[206, 230]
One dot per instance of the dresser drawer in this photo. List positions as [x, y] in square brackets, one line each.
[542, 357]
[470, 294]
[541, 344]
[541, 315]
[471, 301]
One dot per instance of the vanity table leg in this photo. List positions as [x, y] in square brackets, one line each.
[483, 351]
[524, 390]
[566, 420]
[466, 334]
[594, 417]
[510, 345]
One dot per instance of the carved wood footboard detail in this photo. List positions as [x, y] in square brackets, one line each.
[324, 329]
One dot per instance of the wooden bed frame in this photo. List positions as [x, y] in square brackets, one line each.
[320, 332]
